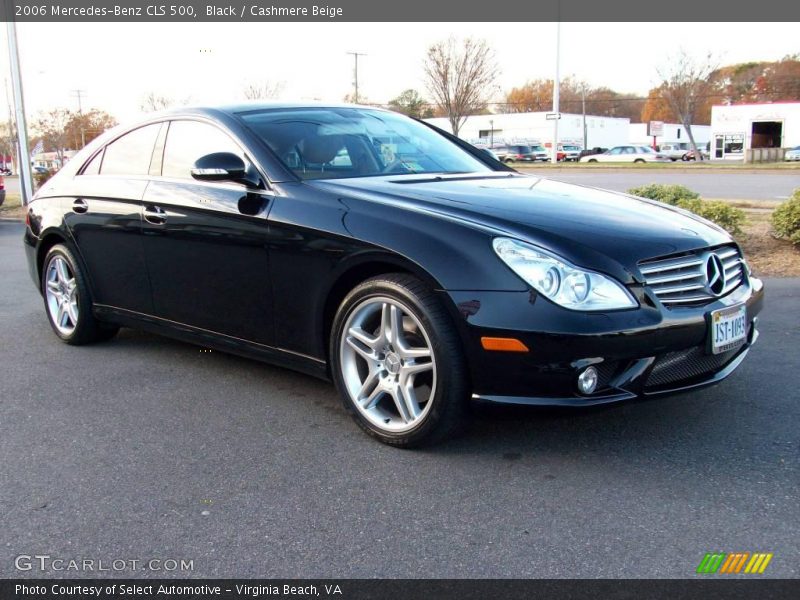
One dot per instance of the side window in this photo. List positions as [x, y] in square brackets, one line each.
[630, 150]
[617, 150]
[189, 140]
[93, 168]
[131, 154]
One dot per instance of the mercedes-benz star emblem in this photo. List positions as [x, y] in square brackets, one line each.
[715, 274]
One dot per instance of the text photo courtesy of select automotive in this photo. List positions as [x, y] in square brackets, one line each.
[444, 313]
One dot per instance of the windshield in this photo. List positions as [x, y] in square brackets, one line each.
[333, 143]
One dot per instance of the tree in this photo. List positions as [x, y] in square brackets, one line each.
[685, 85]
[533, 96]
[460, 75]
[153, 102]
[51, 128]
[81, 129]
[411, 103]
[656, 108]
[265, 90]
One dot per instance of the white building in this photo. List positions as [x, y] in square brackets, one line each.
[600, 131]
[737, 128]
[674, 133]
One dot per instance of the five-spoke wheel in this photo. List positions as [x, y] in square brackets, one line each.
[387, 363]
[398, 362]
[61, 293]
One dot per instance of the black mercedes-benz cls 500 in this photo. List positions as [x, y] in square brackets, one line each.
[414, 270]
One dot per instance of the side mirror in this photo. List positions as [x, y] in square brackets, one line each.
[222, 166]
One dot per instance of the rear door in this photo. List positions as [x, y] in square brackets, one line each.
[105, 219]
[206, 244]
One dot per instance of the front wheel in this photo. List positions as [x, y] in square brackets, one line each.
[397, 362]
[67, 300]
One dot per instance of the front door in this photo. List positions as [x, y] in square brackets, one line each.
[206, 243]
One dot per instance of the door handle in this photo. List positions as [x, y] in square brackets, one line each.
[79, 206]
[155, 215]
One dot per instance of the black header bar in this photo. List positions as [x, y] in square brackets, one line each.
[404, 10]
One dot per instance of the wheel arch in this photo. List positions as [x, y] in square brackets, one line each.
[352, 272]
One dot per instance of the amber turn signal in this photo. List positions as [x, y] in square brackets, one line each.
[498, 344]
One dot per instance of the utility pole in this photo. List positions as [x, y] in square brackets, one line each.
[355, 70]
[79, 95]
[556, 86]
[25, 173]
[583, 103]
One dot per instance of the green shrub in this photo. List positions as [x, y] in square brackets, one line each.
[786, 218]
[670, 194]
[724, 215]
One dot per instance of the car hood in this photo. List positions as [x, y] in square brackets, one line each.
[579, 222]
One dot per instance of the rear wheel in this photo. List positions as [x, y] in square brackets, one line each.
[398, 363]
[592, 160]
[639, 160]
[67, 300]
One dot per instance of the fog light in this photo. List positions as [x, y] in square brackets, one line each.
[587, 380]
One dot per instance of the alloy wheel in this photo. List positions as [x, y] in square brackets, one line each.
[387, 364]
[61, 292]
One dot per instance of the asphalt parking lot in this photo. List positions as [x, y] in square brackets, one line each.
[147, 448]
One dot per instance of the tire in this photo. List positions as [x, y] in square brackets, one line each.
[68, 302]
[639, 160]
[405, 386]
[594, 160]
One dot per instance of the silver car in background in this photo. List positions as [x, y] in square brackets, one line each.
[631, 154]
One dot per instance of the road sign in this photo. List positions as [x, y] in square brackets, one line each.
[655, 128]
[552, 116]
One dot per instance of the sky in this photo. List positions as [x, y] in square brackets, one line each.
[117, 64]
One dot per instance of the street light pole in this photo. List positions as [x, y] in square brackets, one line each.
[556, 86]
[355, 78]
[491, 133]
[583, 103]
[25, 173]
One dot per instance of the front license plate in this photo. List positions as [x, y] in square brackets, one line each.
[728, 328]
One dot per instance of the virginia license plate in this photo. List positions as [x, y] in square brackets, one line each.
[728, 328]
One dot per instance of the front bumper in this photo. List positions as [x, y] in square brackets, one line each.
[647, 351]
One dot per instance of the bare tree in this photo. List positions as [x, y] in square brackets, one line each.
[153, 102]
[265, 90]
[685, 83]
[51, 127]
[460, 76]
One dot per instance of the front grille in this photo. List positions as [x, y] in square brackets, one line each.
[682, 280]
[687, 365]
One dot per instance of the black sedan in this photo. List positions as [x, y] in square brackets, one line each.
[411, 268]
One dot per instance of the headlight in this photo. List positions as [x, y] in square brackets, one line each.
[560, 281]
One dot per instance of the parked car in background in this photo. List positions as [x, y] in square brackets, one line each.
[591, 151]
[793, 154]
[631, 154]
[674, 152]
[6, 171]
[521, 153]
[541, 153]
[40, 170]
[2, 190]
[701, 148]
[569, 152]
